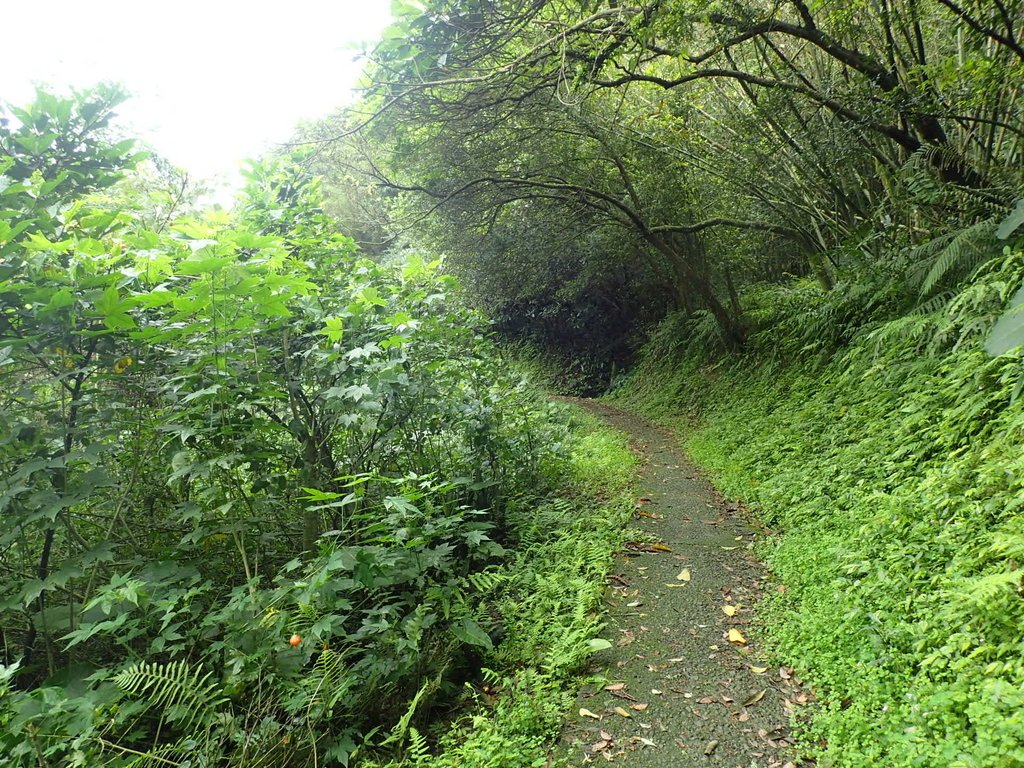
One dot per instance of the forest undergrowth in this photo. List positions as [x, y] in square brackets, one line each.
[263, 501]
[888, 467]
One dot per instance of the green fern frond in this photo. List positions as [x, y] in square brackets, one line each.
[418, 751]
[185, 695]
[958, 254]
[485, 582]
[328, 683]
[165, 756]
[1008, 544]
[403, 727]
[935, 304]
[983, 590]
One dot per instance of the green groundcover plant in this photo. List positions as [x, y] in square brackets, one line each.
[890, 469]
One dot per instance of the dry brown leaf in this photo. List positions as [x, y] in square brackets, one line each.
[638, 707]
[753, 698]
[615, 687]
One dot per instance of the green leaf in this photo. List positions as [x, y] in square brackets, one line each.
[62, 298]
[1012, 222]
[468, 631]
[1008, 332]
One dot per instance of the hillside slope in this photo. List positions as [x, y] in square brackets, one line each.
[892, 471]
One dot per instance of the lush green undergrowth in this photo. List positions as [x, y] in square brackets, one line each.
[264, 502]
[550, 605]
[893, 473]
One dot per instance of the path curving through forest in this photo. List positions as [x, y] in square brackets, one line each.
[686, 685]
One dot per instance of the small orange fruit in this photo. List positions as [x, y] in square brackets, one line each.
[295, 640]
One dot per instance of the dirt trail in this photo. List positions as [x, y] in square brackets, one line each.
[679, 693]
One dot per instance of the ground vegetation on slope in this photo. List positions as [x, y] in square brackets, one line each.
[889, 468]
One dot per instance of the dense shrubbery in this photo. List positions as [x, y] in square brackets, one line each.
[887, 455]
[263, 501]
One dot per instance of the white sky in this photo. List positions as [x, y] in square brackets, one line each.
[212, 82]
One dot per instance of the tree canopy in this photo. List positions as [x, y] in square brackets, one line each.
[694, 147]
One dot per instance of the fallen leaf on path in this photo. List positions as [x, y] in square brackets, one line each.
[638, 707]
[753, 698]
[730, 610]
[600, 746]
[606, 736]
[711, 747]
[615, 687]
[759, 670]
[784, 673]
[674, 586]
[584, 712]
[684, 575]
[736, 637]
[622, 712]
[729, 549]
[660, 548]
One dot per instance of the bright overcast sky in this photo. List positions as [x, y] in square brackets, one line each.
[212, 82]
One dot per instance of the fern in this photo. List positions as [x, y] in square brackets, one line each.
[328, 684]
[418, 752]
[981, 592]
[185, 695]
[403, 727]
[485, 582]
[954, 256]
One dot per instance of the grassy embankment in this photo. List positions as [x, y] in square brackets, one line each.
[893, 474]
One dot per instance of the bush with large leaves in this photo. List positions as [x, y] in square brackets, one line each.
[219, 435]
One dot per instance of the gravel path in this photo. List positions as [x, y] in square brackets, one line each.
[685, 684]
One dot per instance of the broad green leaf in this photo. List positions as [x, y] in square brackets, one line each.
[1008, 332]
[1012, 222]
[468, 631]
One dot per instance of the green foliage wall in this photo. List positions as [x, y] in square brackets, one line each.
[255, 489]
